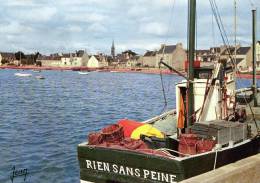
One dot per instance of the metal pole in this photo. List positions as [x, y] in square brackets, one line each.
[192, 22]
[174, 70]
[254, 87]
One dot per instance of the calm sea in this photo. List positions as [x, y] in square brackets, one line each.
[42, 121]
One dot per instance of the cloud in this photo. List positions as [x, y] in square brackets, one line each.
[151, 3]
[137, 11]
[86, 2]
[24, 3]
[64, 25]
[74, 28]
[14, 28]
[85, 17]
[153, 28]
[42, 14]
[97, 28]
[137, 45]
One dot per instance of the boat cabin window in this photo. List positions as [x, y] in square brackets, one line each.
[203, 73]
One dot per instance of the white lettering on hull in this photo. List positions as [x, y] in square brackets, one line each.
[130, 171]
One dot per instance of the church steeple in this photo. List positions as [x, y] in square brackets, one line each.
[113, 50]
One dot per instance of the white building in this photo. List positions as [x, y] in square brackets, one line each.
[97, 61]
[74, 60]
[64, 60]
[93, 62]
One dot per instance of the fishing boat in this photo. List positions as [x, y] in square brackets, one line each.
[83, 73]
[250, 97]
[208, 129]
[23, 74]
[39, 77]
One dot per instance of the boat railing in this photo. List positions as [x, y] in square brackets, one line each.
[156, 118]
[245, 90]
[167, 152]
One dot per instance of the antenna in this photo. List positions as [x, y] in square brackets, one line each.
[235, 36]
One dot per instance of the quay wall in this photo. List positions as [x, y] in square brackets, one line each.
[243, 171]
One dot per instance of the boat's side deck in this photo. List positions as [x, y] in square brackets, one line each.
[99, 164]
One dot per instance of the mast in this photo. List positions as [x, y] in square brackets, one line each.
[192, 22]
[235, 35]
[254, 87]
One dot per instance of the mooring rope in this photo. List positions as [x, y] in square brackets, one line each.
[215, 162]
[163, 90]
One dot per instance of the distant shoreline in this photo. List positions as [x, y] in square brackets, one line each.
[124, 70]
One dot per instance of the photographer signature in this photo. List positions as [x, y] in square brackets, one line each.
[18, 173]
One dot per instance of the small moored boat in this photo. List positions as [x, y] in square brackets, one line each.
[83, 73]
[23, 74]
[39, 77]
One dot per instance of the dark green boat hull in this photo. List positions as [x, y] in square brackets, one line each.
[111, 165]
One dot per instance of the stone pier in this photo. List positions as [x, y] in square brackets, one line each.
[243, 171]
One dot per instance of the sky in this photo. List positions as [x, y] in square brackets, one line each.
[58, 26]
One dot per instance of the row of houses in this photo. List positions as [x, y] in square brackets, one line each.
[127, 58]
[6, 57]
[173, 55]
[77, 59]
[176, 55]
[242, 55]
[18, 58]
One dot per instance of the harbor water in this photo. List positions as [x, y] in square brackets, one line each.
[43, 121]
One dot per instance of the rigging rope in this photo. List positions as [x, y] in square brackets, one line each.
[163, 53]
[215, 161]
[223, 33]
[196, 35]
[227, 44]
[170, 20]
[164, 95]
[213, 30]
